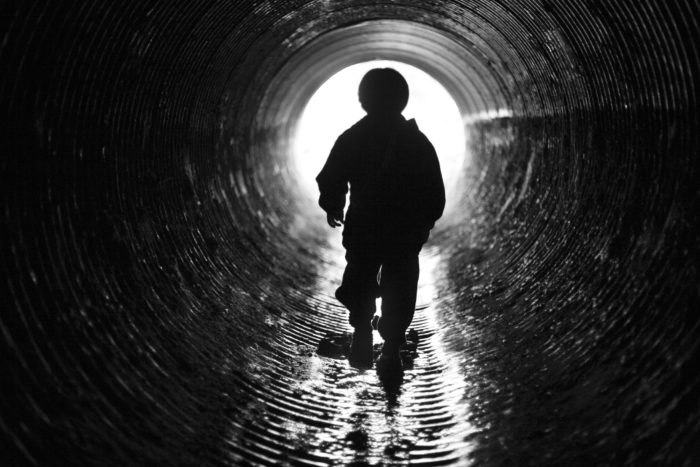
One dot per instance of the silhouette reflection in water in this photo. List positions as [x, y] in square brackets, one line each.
[396, 195]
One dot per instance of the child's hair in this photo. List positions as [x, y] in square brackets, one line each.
[383, 89]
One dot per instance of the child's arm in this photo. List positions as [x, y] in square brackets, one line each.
[333, 184]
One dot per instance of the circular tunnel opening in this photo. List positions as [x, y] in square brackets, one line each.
[424, 52]
[334, 107]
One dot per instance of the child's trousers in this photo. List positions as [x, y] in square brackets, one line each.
[370, 274]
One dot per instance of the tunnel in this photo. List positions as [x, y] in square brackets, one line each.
[166, 282]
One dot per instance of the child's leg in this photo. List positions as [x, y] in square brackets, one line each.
[399, 284]
[358, 289]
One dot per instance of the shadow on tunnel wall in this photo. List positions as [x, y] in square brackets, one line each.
[154, 247]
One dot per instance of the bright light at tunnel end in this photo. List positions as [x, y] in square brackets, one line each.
[335, 107]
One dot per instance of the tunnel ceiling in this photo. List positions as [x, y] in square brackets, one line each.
[165, 285]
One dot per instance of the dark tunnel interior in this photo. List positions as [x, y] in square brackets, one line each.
[165, 281]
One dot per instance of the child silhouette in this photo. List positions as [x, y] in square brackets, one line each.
[396, 195]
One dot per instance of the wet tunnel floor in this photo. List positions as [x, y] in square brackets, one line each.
[486, 388]
[489, 386]
[321, 411]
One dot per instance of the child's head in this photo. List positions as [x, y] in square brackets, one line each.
[383, 90]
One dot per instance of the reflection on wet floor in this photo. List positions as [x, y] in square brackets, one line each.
[317, 410]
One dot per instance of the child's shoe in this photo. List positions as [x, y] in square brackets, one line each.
[390, 359]
[361, 351]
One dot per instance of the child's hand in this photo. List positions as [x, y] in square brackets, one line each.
[335, 219]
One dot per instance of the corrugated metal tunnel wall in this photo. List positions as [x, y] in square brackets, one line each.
[165, 282]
